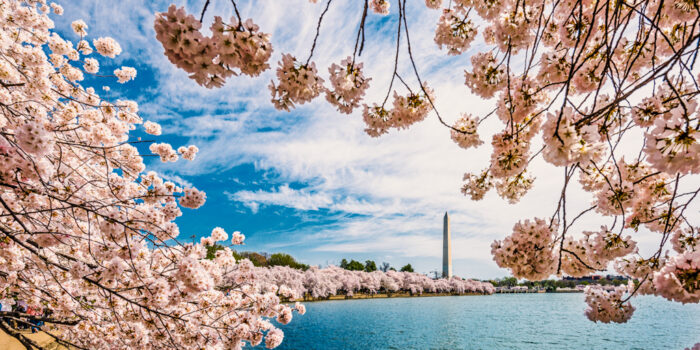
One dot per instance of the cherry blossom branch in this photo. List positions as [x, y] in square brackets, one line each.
[318, 32]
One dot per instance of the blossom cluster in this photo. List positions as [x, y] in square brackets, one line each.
[512, 188]
[529, 251]
[380, 6]
[464, 132]
[607, 306]
[406, 111]
[673, 145]
[349, 85]
[572, 145]
[594, 251]
[476, 186]
[189, 152]
[298, 83]
[125, 74]
[454, 31]
[233, 48]
[433, 4]
[679, 279]
[487, 76]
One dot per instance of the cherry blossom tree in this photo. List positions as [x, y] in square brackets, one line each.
[291, 284]
[85, 232]
[605, 91]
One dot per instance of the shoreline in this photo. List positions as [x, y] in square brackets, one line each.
[363, 296]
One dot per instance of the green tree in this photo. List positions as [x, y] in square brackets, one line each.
[256, 258]
[550, 284]
[212, 249]
[344, 264]
[282, 259]
[370, 266]
[510, 281]
[355, 265]
[237, 255]
[407, 268]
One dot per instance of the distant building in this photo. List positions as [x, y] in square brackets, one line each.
[446, 248]
[593, 278]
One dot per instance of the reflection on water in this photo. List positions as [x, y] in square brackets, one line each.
[503, 321]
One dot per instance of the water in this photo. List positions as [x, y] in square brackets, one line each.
[501, 321]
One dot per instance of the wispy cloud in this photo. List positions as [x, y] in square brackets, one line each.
[283, 196]
[176, 180]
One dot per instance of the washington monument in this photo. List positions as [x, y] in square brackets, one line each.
[446, 248]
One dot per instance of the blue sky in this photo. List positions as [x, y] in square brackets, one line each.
[310, 182]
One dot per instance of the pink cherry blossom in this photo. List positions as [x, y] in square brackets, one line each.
[237, 238]
[107, 47]
[487, 77]
[348, 85]
[152, 128]
[298, 83]
[529, 251]
[433, 4]
[33, 138]
[79, 27]
[476, 186]
[233, 48]
[678, 279]
[189, 152]
[193, 198]
[125, 74]
[455, 31]
[467, 135]
[380, 6]
[607, 306]
[78, 205]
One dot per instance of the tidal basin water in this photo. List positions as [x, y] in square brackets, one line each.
[501, 321]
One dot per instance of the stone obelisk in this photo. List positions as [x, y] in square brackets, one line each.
[446, 248]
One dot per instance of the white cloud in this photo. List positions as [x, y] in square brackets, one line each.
[176, 180]
[282, 196]
[302, 200]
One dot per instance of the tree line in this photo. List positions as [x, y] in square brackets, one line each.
[552, 284]
[260, 259]
[283, 259]
[370, 265]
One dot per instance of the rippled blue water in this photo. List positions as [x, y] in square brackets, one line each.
[502, 321]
